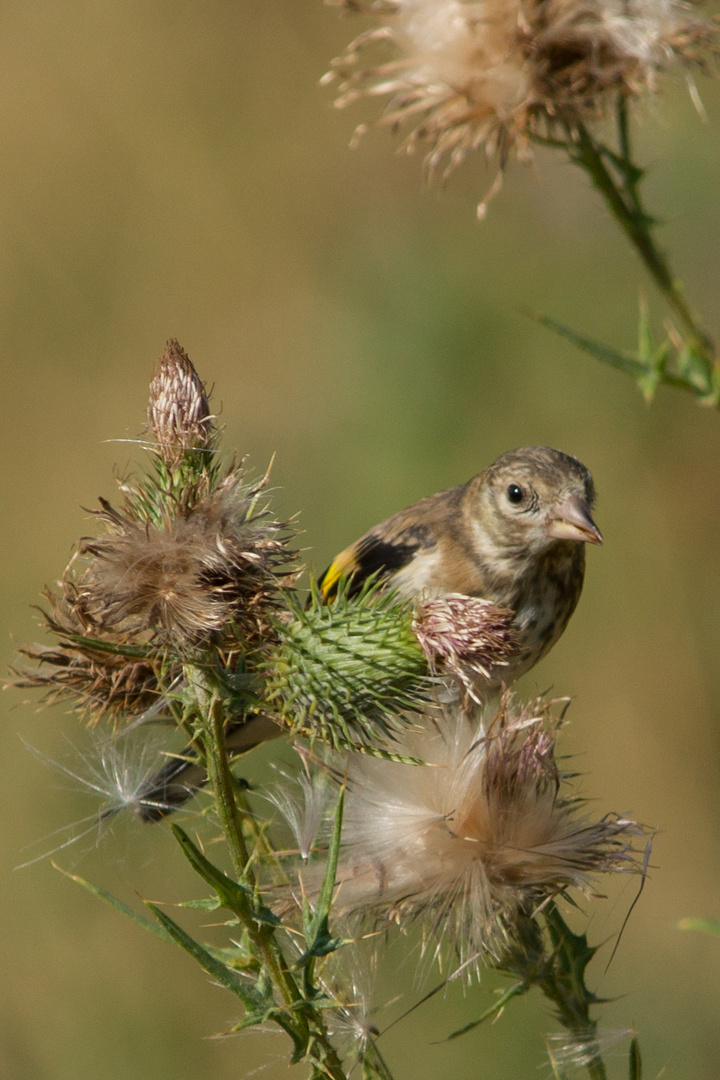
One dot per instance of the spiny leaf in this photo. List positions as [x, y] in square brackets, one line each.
[689, 370]
[650, 355]
[253, 1018]
[229, 956]
[214, 967]
[574, 948]
[623, 361]
[317, 924]
[322, 911]
[147, 924]
[133, 652]
[695, 370]
[210, 903]
[231, 894]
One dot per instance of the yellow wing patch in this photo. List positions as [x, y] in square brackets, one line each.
[342, 565]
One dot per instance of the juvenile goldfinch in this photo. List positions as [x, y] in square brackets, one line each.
[514, 534]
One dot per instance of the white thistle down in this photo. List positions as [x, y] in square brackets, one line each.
[462, 74]
[303, 804]
[113, 772]
[484, 835]
[574, 1053]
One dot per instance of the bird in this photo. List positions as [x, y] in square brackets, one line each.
[514, 534]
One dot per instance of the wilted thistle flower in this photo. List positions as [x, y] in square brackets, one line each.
[178, 408]
[193, 558]
[103, 677]
[485, 833]
[496, 73]
[468, 638]
[204, 571]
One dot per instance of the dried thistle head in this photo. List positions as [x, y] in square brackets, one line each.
[481, 838]
[468, 638]
[463, 74]
[106, 677]
[192, 561]
[178, 407]
[212, 570]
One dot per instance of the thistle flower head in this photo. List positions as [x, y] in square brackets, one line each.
[193, 575]
[346, 673]
[353, 673]
[192, 560]
[178, 407]
[468, 638]
[486, 835]
[104, 678]
[463, 74]
[136, 600]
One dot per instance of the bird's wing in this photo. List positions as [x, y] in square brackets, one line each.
[380, 552]
[182, 774]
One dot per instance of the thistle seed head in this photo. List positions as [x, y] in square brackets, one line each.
[190, 567]
[105, 678]
[466, 74]
[478, 841]
[209, 571]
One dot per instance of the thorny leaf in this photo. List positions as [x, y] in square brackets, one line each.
[232, 895]
[219, 971]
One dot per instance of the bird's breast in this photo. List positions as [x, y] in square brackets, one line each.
[543, 603]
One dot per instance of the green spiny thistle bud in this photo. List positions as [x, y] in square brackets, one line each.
[347, 673]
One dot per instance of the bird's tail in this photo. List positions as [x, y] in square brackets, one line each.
[182, 775]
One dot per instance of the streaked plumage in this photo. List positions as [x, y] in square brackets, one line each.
[514, 534]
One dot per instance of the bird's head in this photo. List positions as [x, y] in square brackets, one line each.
[535, 496]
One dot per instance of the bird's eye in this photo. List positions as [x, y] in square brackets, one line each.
[515, 494]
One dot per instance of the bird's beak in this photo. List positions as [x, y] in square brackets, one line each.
[571, 521]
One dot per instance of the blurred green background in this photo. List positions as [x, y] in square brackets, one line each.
[173, 168]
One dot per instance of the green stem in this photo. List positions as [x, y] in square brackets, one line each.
[221, 782]
[625, 206]
[377, 1068]
[623, 126]
[310, 1028]
[554, 960]
[223, 787]
[563, 983]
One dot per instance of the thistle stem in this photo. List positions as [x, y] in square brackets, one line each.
[221, 781]
[553, 959]
[563, 983]
[308, 1025]
[623, 199]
